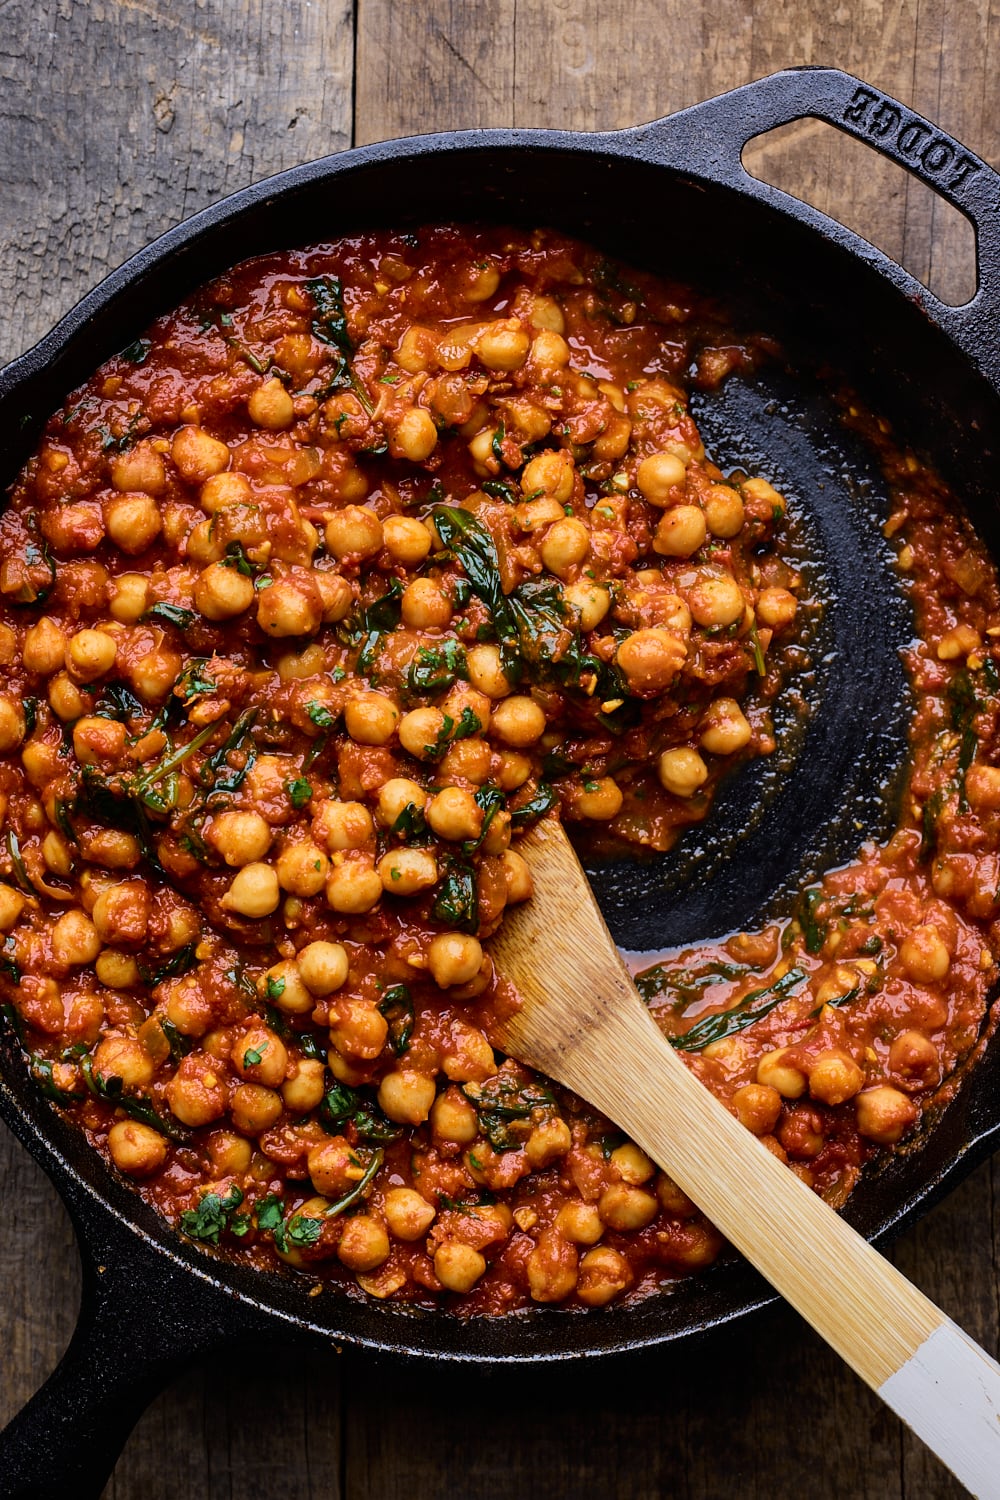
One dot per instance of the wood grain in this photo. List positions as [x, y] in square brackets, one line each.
[190, 102]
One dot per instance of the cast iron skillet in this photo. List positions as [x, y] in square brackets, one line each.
[674, 196]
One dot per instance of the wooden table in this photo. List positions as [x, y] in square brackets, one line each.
[120, 117]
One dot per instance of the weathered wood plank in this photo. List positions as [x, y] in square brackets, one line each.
[122, 117]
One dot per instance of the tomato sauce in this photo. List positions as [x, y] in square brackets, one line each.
[312, 600]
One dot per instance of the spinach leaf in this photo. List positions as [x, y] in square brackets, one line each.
[542, 800]
[457, 900]
[728, 1022]
[342, 1105]
[173, 614]
[501, 1101]
[397, 1007]
[178, 963]
[299, 791]
[217, 775]
[111, 1090]
[435, 668]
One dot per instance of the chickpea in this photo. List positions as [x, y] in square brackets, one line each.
[723, 510]
[579, 1222]
[680, 531]
[534, 515]
[344, 825]
[254, 1108]
[503, 345]
[485, 671]
[241, 838]
[305, 1086]
[56, 854]
[551, 474]
[271, 406]
[632, 1164]
[335, 595]
[406, 539]
[915, 1060]
[600, 800]
[44, 649]
[604, 1274]
[764, 496]
[197, 455]
[353, 531]
[133, 522]
[11, 906]
[283, 987]
[716, 601]
[406, 1097]
[405, 872]
[455, 814]
[414, 436]
[353, 888]
[425, 606]
[786, 1079]
[513, 770]
[982, 786]
[364, 1244]
[41, 763]
[125, 1058]
[221, 593]
[651, 658]
[924, 955]
[658, 475]
[551, 1268]
[590, 600]
[407, 1214]
[255, 892]
[302, 868]
[136, 1149]
[834, 1077]
[416, 351]
[96, 739]
[420, 732]
[565, 546]
[324, 966]
[681, 771]
[196, 1094]
[458, 1267]
[222, 490]
[229, 1153]
[623, 1207]
[776, 608]
[517, 875]
[291, 606]
[129, 597]
[453, 1118]
[12, 723]
[884, 1114]
[261, 1056]
[65, 698]
[119, 971]
[757, 1107]
[454, 958]
[395, 795]
[724, 729]
[547, 1143]
[371, 718]
[333, 1167]
[467, 760]
[75, 939]
[518, 721]
[481, 281]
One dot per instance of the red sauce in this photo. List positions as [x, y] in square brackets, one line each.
[310, 602]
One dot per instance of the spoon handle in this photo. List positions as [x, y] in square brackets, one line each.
[582, 1022]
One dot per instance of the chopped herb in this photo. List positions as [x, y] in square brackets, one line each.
[435, 668]
[173, 614]
[210, 1220]
[299, 790]
[8, 961]
[496, 445]
[320, 715]
[758, 651]
[275, 987]
[727, 1023]
[342, 1105]
[194, 682]
[235, 557]
[253, 1055]
[411, 823]
[396, 1005]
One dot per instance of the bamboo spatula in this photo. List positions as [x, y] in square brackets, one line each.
[583, 1024]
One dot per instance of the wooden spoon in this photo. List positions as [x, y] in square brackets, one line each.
[583, 1023]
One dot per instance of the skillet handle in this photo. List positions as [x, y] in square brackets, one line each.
[136, 1329]
[708, 139]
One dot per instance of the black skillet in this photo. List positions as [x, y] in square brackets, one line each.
[673, 196]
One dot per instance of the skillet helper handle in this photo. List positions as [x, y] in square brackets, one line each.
[134, 1332]
[709, 139]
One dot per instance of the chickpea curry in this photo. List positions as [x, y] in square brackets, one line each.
[311, 601]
